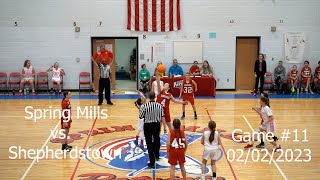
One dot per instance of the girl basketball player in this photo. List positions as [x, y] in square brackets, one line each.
[268, 124]
[188, 88]
[28, 74]
[164, 99]
[211, 141]
[176, 148]
[66, 119]
[56, 76]
[293, 78]
[140, 123]
[258, 110]
[154, 85]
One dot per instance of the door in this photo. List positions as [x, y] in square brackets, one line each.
[247, 50]
[95, 44]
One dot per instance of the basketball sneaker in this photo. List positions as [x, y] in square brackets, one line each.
[248, 146]
[277, 149]
[275, 138]
[65, 148]
[141, 147]
[260, 145]
[135, 142]
[183, 117]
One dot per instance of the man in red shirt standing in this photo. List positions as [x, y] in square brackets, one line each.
[103, 54]
[194, 69]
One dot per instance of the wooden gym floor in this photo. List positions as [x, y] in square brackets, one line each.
[114, 133]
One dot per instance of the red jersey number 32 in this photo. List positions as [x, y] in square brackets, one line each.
[187, 89]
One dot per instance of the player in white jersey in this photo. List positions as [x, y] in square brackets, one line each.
[258, 110]
[211, 141]
[154, 85]
[28, 74]
[140, 123]
[268, 124]
[57, 73]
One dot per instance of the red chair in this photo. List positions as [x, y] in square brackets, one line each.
[268, 80]
[84, 79]
[42, 80]
[14, 79]
[4, 80]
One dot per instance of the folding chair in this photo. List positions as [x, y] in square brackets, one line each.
[42, 80]
[4, 81]
[84, 79]
[14, 79]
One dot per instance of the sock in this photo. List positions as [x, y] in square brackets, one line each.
[64, 146]
[141, 142]
[214, 174]
[262, 142]
[183, 114]
[195, 113]
[137, 137]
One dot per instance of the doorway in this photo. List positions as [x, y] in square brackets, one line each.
[247, 50]
[124, 66]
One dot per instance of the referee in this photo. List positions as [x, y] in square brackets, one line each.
[152, 113]
[104, 81]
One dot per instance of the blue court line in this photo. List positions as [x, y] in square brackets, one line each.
[135, 96]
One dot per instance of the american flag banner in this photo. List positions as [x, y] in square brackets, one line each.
[154, 15]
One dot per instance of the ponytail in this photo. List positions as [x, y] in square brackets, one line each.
[212, 127]
[176, 126]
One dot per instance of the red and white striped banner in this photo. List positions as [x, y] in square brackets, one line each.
[154, 15]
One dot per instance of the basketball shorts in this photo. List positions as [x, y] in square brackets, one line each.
[294, 80]
[28, 78]
[167, 114]
[189, 98]
[140, 125]
[63, 124]
[56, 79]
[210, 154]
[304, 80]
[270, 127]
[176, 156]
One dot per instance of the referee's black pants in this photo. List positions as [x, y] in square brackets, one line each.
[104, 84]
[152, 135]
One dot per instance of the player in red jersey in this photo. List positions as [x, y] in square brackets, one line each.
[176, 148]
[188, 88]
[66, 119]
[294, 78]
[306, 76]
[164, 98]
[317, 76]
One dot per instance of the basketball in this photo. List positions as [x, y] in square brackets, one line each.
[161, 69]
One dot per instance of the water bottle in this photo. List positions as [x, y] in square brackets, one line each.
[25, 92]
[298, 89]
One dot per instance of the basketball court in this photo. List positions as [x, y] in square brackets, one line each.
[113, 137]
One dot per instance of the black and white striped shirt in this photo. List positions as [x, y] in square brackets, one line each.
[104, 71]
[151, 112]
